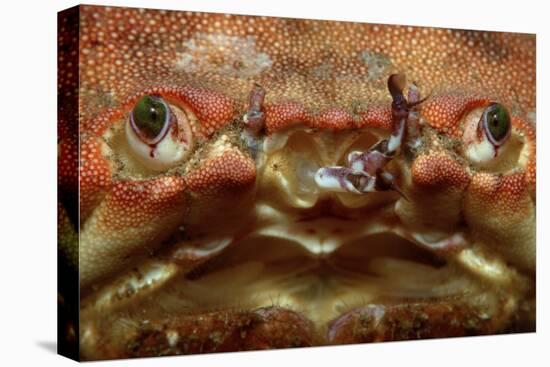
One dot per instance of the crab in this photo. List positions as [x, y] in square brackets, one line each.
[254, 183]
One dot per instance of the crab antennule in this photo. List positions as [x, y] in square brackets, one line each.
[254, 118]
[364, 172]
[344, 179]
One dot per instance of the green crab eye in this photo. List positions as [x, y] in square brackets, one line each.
[496, 123]
[158, 133]
[150, 118]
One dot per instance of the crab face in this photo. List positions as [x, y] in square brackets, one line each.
[221, 215]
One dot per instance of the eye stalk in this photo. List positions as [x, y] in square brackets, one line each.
[496, 124]
[158, 134]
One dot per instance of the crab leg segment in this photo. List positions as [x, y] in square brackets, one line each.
[365, 170]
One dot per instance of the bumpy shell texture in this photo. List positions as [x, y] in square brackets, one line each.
[449, 234]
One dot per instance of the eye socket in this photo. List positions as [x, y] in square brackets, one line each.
[496, 123]
[150, 118]
[158, 133]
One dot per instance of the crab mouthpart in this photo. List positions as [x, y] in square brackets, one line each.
[303, 266]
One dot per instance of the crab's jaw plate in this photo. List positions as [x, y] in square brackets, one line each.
[294, 281]
[310, 252]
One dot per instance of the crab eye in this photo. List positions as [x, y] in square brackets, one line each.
[488, 139]
[158, 134]
[150, 118]
[496, 123]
